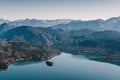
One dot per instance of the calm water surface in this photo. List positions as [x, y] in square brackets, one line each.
[66, 67]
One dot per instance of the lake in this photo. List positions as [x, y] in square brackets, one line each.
[66, 67]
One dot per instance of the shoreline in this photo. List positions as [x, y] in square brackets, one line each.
[7, 65]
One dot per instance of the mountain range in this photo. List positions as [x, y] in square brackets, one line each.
[66, 24]
[107, 41]
[93, 37]
[98, 24]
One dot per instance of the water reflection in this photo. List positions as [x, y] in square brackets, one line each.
[106, 61]
[90, 57]
[23, 63]
[66, 67]
[95, 58]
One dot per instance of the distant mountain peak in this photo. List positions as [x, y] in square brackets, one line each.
[3, 21]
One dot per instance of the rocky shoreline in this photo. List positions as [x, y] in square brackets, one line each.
[4, 66]
[11, 52]
[108, 54]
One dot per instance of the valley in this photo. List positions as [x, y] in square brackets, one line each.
[41, 43]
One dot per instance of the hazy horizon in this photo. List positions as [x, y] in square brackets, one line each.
[59, 9]
[58, 19]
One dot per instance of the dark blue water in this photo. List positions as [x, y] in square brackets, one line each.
[66, 67]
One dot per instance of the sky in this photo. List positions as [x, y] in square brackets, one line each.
[59, 9]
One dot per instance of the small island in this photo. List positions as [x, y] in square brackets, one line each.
[49, 63]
